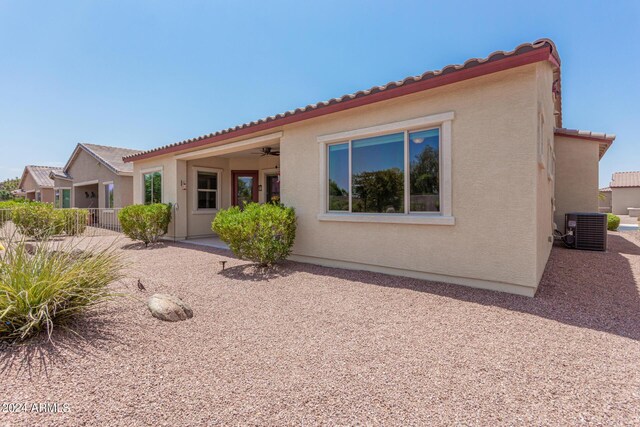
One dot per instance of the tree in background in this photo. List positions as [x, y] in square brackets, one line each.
[380, 191]
[7, 186]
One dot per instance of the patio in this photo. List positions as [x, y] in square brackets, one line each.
[304, 344]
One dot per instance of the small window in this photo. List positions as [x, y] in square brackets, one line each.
[207, 190]
[56, 199]
[108, 196]
[152, 187]
[38, 196]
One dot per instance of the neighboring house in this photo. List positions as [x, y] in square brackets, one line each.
[604, 201]
[454, 175]
[95, 176]
[36, 184]
[625, 192]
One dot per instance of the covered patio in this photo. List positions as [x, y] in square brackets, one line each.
[229, 175]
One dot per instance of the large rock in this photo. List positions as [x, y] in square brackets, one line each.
[169, 308]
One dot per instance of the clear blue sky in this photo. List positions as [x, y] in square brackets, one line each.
[141, 74]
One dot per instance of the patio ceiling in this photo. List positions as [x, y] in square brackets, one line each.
[244, 148]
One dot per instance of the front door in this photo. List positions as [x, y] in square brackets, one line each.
[245, 187]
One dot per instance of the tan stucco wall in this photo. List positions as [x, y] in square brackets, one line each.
[501, 200]
[545, 184]
[623, 198]
[604, 201]
[576, 177]
[47, 195]
[29, 184]
[86, 168]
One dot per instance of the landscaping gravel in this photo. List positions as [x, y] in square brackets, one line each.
[308, 345]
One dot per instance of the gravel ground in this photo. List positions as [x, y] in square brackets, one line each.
[312, 345]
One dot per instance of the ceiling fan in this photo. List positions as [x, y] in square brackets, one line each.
[268, 151]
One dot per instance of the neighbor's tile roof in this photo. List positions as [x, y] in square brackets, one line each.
[625, 179]
[351, 100]
[605, 139]
[109, 156]
[40, 174]
[606, 189]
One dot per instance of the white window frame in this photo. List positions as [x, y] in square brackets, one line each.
[444, 217]
[38, 196]
[104, 188]
[147, 171]
[194, 192]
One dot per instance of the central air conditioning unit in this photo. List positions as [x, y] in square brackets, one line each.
[586, 231]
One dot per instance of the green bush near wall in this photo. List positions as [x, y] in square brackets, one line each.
[40, 220]
[259, 233]
[6, 209]
[145, 223]
[613, 221]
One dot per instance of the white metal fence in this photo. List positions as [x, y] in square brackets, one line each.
[70, 222]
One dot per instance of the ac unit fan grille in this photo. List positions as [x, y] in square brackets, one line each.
[591, 232]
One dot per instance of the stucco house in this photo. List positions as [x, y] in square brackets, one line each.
[456, 175]
[623, 193]
[95, 176]
[36, 184]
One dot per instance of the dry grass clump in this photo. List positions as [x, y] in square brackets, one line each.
[45, 285]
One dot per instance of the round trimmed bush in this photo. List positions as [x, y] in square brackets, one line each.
[146, 223]
[37, 220]
[613, 221]
[260, 233]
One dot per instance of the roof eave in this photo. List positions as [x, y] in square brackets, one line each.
[449, 75]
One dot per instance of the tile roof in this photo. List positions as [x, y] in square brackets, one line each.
[625, 179]
[542, 49]
[40, 174]
[606, 189]
[605, 139]
[109, 156]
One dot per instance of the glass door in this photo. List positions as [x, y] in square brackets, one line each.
[66, 198]
[245, 187]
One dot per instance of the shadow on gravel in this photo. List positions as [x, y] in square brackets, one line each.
[254, 272]
[87, 336]
[139, 246]
[594, 290]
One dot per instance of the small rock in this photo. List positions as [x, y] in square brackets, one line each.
[169, 308]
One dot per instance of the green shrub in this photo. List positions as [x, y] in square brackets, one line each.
[46, 286]
[613, 221]
[259, 233]
[145, 222]
[6, 208]
[37, 220]
[74, 220]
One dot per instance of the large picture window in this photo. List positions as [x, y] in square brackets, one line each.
[391, 174]
[152, 182]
